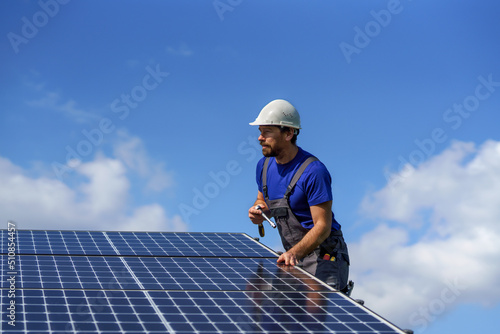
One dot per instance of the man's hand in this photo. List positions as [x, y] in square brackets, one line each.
[255, 215]
[288, 258]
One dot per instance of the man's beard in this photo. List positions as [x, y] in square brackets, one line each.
[269, 152]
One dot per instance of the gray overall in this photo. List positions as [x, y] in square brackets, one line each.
[332, 269]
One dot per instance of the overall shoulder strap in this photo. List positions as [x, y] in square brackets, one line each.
[298, 174]
[264, 179]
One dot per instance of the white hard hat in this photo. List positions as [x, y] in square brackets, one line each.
[278, 112]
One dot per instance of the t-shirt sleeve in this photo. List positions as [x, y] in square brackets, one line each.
[258, 174]
[317, 184]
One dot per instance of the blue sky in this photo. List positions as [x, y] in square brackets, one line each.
[134, 115]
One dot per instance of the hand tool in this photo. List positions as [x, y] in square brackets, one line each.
[261, 230]
[261, 227]
[273, 225]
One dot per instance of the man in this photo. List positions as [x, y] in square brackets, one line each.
[295, 188]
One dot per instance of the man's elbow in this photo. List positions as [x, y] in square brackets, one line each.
[325, 230]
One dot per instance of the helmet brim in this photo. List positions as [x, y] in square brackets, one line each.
[285, 124]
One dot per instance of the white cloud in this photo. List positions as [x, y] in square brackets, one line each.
[437, 242]
[52, 100]
[183, 50]
[107, 189]
[152, 218]
[132, 152]
[102, 201]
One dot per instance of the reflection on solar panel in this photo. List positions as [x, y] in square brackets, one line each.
[138, 282]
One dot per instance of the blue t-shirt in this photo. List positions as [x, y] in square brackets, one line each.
[314, 186]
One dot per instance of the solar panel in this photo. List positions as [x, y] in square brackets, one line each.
[101, 273]
[138, 243]
[145, 282]
[127, 311]
[187, 244]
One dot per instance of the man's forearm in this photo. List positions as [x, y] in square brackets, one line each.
[260, 201]
[311, 240]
